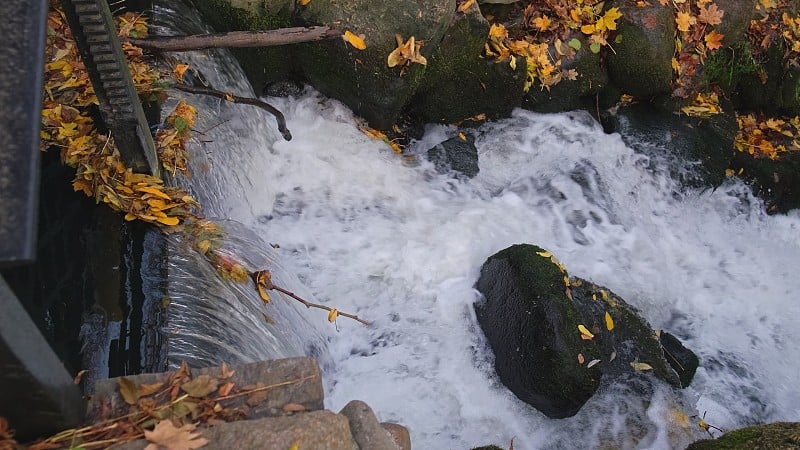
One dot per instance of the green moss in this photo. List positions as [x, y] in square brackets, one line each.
[728, 66]
[779, 435]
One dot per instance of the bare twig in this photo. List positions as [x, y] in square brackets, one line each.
[237, 39]
[314, 305]
[244, 100]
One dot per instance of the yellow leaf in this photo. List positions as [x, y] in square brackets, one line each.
[265, 298]
[333, 315]
[204, 245]
[585, 332]
[641, 366]
[179, 70]
[542, 23]
[153, 191]
[462, 8]
[609, 322]
[295, 445]
[587, 29]
[169, 221]
[354, 40]
[394, 57]
[462, 137]
[610, 18]
[303, 2]
[729, 172]
[684, 20]
[498, 31]
[544, 254]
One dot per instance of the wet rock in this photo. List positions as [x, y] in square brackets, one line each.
[367, 431]
[286, 88]
[460, 83]
[457, 154]
[532, 328]
[641, 64]
[530, 317]
[263, 64]
[779, 435]
[682, 360]
[322, 430]
[362, 79]
[631, 341]
[660, 133]
[777, 182]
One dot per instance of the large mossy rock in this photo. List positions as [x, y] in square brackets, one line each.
[774, 436]
[641, 63]
[362, 79]
[262, 65]
[530, 316]
[707, 141]
[532, 327]
[459, 83]
[777, 182]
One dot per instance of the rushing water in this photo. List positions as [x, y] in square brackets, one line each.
[402, 246]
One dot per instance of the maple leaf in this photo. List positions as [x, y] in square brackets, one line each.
[710, 15]
[165, 435]
[714, 40]
[542, 23]
[684, 20]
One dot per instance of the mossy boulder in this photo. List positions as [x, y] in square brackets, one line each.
[774, 436]
[459, 83]
[262, 65]
[532, 327]
[531, 314]
[777, 181]
[631, 340]
[641, 63]
[362, 79]
[736, 19]
[571, 94]
[707, 141]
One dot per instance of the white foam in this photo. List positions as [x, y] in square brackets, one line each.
[402, 246]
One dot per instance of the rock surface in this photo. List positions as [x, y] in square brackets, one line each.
[456, 154]
[532, 327]
[317, 430]
[774, 436]
[367, 431]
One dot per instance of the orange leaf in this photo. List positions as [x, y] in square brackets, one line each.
[714, 40]
[711, 15]
[179, 70]
[465, 6]
[684, 21]
[354, 40]
[169, 221]
[165, 435]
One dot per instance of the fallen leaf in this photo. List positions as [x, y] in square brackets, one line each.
[128, 390]
[225, 389]
[580, 358]
[293, 407]
[225, 371]
[585, 332]
[303, 2]
[641, 366]
[79, 376]
[710, 15]
[714, 40]
[609, 322]
[295, 445]
[147, 389]
[592, 363]
[200, 386]
[332, 315]
[353, 39]
[179, 70]
[684, 20]
[544, 254]
[165, 435]
[462, 8]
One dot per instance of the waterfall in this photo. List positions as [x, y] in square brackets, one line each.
[400, 245]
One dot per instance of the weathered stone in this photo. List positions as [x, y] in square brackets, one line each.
[265, 64]
[632, 339]
[318, 430]
[777, 182]
[283, 89]
[532, 327]
[367, 431]
[682, 360]
[736, 19]
[362, 79]
[399, 434]
[569, 94]
[641, 64]
[707, 141]
[774, 436]
[307, 391]
[459, 83]
[456, 154]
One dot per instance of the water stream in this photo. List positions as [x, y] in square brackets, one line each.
[401, 245]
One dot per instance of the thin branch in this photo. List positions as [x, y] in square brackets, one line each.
[287, 135]
[237, 39]
[314, 305]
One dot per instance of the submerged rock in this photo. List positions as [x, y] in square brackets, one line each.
[456, 154]
[531, 315]
[532, 327]
[778, 435]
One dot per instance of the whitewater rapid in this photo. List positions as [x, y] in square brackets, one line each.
[402, 246]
